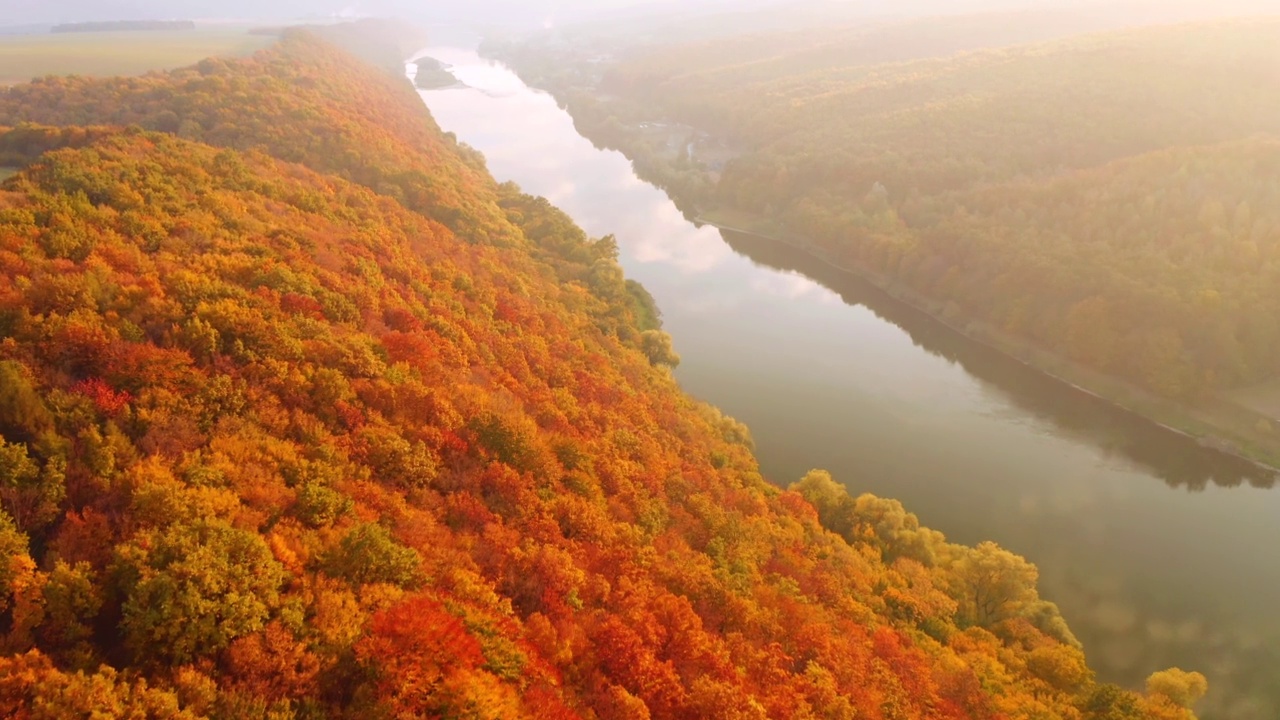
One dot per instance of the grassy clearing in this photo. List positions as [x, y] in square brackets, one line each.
[23, 57]
[1264, 399]
[7, 172]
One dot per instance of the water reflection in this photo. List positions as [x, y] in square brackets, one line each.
[1179, 461]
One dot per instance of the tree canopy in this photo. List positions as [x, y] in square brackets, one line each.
[306, 417]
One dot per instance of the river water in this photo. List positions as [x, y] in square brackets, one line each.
[1158, 551]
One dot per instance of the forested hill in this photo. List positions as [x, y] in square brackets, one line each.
[302, 415]
[1109, 198]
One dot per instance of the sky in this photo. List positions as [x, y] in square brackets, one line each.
[14, 12]
[48, 11]
[484, 12]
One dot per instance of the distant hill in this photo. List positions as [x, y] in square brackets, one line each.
[78, 11]
[125, 26]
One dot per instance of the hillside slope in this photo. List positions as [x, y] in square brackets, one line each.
[303, 415]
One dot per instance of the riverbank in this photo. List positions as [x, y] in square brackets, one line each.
[1220, 424]
[663, 153]
[687, 163]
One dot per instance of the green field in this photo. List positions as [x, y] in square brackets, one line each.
[23, 57]
[1264, 399]
[7, 172]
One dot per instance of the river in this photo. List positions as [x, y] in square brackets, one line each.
[1158, 551]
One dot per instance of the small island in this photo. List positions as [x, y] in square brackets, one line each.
[433, 74]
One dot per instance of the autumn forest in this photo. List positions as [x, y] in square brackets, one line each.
[304, 415]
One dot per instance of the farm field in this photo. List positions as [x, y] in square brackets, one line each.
[23, 57]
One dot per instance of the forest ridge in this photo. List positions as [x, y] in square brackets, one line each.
[303, 415]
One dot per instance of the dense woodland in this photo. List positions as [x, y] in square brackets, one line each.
[302, 416]
[1111, 197]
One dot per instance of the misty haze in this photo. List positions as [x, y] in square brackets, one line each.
[572, 360]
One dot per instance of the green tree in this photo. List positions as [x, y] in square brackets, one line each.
[881, 522]
[644, 307]
[30, 494]
[829, 498]
[398, 462]
[1047, 618]
[897, 532]
[1180, 687]
[13, 544]
[192, 589]
[1061, 667]
[71, 605]
[368, 554]
[1110, 702]
[657, 346]
[319, 505]
[23, 415]
[994, 583]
